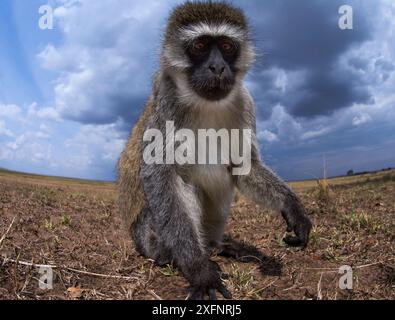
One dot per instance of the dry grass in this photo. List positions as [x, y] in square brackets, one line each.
[347, 180]
[75, 226]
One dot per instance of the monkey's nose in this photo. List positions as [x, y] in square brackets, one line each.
[217, 69]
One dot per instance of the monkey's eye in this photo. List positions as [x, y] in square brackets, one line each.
[199, 46]
[227, 47]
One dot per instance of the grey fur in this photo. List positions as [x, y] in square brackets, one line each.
[186, 207]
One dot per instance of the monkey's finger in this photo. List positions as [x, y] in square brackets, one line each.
[211, 294]
[225, 292]
[289, 226]
[293, 241]
[216, 266]
[224, 276]
[195, 294]
[303, 232]
[198, 295]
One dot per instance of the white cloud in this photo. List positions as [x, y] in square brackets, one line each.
[25, 144]
[104, 142]
[281, 126]
[267, 136]
[103, 64]
[26, 148]
[17, 143]
[311, 134]
[9, 111]
[47, 113]
[290, 130]
[361, 119]
[4, 131]
[114, 67]
[84, 151]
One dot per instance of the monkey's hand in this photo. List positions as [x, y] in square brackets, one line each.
[207, 282]
[297, 221]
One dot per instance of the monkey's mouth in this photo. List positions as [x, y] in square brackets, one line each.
[213, 89]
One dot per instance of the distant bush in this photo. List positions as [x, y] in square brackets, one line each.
[350, 172]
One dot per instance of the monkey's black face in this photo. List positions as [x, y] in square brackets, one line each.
[212, 75]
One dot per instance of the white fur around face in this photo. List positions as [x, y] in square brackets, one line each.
[174, 57]
[195, 31]
[176, 61]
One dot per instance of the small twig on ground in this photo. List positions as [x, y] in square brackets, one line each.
[319, 292]
[370, 265]
[101, 275]
[329, 270]
[267, 286]
[5, 234]
[152, 293]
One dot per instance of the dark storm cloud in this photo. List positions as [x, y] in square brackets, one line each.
[374, 151]
[114, 108]
[300, 37]
[304, 36]
[295, 36]
[117, 50]
[324, 93]
[108, 53]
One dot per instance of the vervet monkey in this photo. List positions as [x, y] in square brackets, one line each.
[177, 213]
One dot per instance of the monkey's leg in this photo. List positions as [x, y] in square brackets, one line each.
[264, 187]
[146, 239]
[176, 213]
[216, 212]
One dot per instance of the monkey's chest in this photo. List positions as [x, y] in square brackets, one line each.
[217, 137]
[214, 180]
[215, 184]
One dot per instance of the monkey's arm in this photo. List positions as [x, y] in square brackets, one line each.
[264, 187]
[176, 213]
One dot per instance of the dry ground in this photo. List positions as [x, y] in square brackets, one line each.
[75, 225]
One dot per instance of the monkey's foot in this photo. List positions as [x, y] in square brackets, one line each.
[207, 283]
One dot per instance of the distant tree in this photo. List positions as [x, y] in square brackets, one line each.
[350, 172]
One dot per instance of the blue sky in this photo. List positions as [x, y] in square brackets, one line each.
[69, 96]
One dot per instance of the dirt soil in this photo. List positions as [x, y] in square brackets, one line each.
[75, 226]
